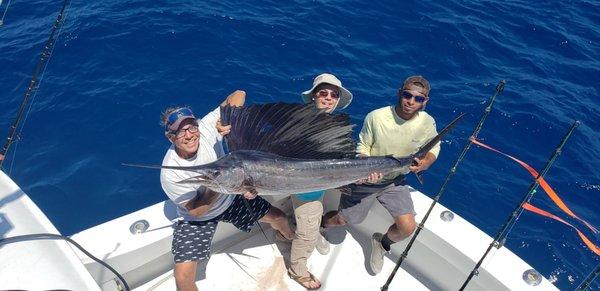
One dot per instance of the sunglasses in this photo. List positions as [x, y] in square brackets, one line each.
[407, 95]
[324, 93]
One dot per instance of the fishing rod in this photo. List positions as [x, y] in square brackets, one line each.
[34, 83]
[590, 278]
[451, 172]
[500, 238]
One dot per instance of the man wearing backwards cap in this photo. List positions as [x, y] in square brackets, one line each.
[197, 142]
[399, 131]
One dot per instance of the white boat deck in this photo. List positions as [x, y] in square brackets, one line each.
[35, 264]
[440, 258]
[253, 264]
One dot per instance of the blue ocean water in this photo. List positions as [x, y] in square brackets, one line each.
[118, 64]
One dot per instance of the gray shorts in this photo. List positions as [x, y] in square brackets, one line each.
[395, 198]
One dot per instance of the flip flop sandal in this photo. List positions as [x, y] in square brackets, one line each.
[303, 280]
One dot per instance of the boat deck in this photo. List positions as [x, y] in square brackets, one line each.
[254, 264]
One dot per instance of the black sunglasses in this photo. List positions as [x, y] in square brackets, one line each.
[407, 95]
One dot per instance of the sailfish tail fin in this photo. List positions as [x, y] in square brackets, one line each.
[429, 145]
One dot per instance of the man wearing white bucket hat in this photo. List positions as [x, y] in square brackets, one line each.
[327, 93]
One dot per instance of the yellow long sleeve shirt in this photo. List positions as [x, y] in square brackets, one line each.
[385, 133]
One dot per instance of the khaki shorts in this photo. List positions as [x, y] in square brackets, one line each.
[395, 198]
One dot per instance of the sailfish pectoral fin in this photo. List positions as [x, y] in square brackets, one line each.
[248, 185]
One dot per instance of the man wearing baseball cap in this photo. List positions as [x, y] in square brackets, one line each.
[196, 142]
[392, 130]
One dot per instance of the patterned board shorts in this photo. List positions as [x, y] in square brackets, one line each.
[191, 239]
[395, 198]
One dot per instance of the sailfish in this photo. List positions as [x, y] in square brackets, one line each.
[282, 148]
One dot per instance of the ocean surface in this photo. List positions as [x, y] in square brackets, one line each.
[117, 65]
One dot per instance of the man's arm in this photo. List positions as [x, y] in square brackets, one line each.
[237, 98]
[202, 203]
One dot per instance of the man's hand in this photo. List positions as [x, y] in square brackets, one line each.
[223, 129]
[237, 98]
[372, 178]
[250, 195]
[420, 165]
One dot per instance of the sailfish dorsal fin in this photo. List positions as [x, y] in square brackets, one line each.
[289, 130]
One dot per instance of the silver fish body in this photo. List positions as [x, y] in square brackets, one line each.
[270, 174]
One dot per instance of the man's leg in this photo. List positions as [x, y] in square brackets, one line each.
[278, 221]
[333, 219]
[403, 227]
[185, 276]
[308, 218]
[191, 244]
[353, 208]
[397, 201]
[245, 213]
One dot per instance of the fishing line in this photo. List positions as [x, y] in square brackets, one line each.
[449, 175]
[5, 10]
[14, 154]
[34, 83]
[500, 237]
[52, 236]
[258, 223]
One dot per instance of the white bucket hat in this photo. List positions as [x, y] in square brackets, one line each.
[345, 95]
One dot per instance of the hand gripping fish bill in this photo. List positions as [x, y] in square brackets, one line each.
[282, 148]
